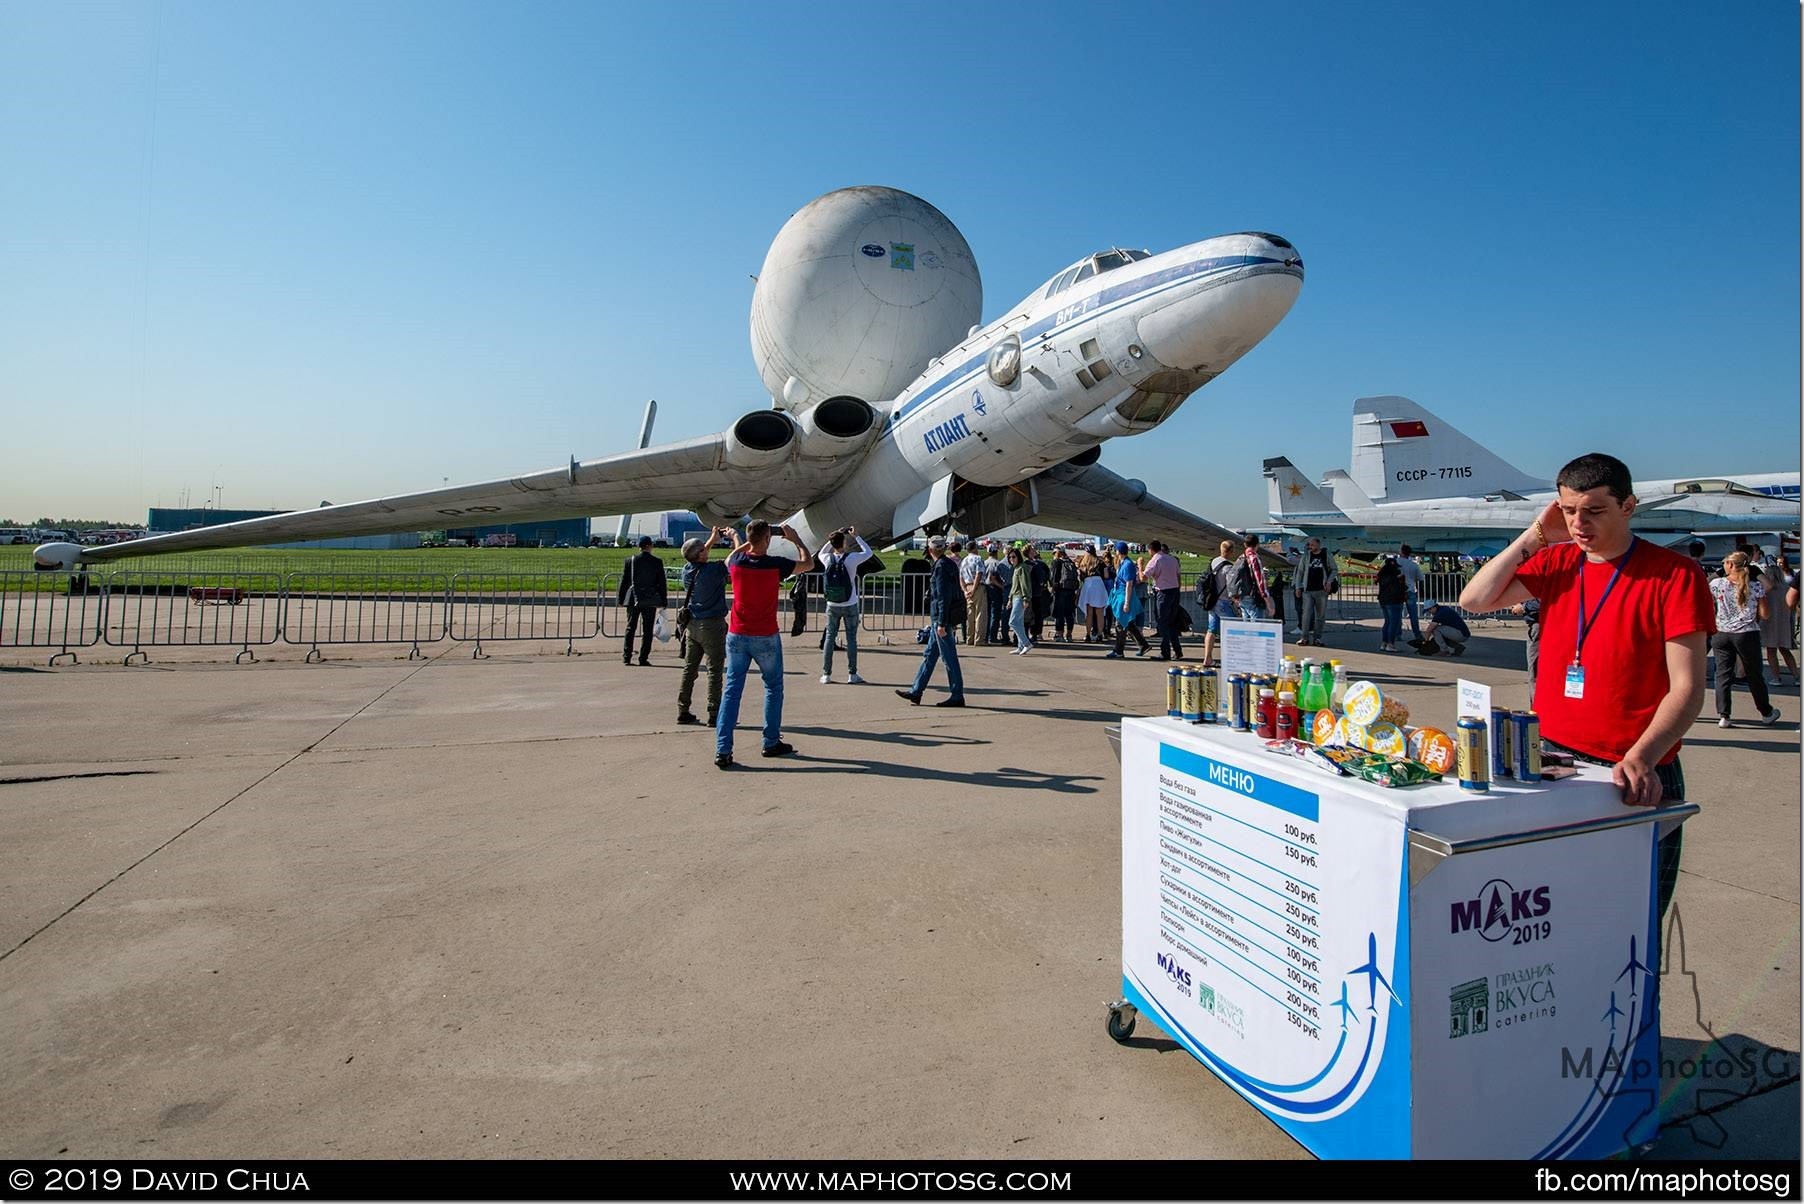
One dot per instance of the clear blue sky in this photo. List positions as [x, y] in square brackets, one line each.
[330, 250]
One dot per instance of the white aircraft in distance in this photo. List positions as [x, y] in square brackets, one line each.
[1418, 480]
[892, 410]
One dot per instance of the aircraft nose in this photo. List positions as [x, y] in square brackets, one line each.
[1231, 305]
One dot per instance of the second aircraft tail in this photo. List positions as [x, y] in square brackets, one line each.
[1290, 497]
[1403, 452]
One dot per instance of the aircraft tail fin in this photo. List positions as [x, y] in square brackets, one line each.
[1404, 452]
[1292, 497]
[1347, 495]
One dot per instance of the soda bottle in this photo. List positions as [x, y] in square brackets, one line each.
[1267, 727]
[1286, 727]
[1337, 686]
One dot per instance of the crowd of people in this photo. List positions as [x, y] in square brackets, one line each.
[992, 594]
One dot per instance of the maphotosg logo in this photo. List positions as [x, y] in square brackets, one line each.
[1501, 909]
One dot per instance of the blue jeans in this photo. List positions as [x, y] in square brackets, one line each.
[742, 650]
[1251, 609]
[1393, 622]
[1017, 620]
[939, 646]
[1415, 621]
[998, 613]
[836, 616]
[1165, 617]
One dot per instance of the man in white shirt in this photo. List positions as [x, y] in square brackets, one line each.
[977, 598]
[840, 588]
[1412, 577]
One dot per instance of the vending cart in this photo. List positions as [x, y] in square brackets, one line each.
[1414, 972]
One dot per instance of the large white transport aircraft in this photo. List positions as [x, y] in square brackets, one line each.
[1417, 480]
[892, 409]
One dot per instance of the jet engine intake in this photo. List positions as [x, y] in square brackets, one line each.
[836, 426]
[760, 439]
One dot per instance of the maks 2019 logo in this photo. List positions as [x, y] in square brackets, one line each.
[1174, 969]
[1500, 911]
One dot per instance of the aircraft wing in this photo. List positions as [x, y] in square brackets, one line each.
[1092, 498]
[692, 474]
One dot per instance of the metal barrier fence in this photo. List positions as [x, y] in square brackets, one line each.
[34, 618]
[365, 608]
[157, 610]
[526, 606]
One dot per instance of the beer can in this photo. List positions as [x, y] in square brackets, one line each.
[1211, 700]
[1501, 740]
[1190, 696]
[1473, 754]
[1173, 702]
[1237, 701]
[1528, 746]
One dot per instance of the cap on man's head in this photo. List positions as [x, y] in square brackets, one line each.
[645, 541]
[1120, 545]
[693, 547]
[936, 541]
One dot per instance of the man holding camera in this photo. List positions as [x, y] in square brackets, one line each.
[840, 588]
[752, 636]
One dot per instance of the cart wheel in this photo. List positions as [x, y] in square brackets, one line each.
[1121, 1021]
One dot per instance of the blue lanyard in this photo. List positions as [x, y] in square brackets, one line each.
[1584, 624]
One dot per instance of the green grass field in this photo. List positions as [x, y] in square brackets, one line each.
[475, 568]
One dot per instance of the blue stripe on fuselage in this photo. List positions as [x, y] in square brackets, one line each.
[1079, 310]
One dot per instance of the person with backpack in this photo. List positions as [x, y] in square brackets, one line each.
[705, 604]
[1212, 596]
[946, 610]
[1247, 584]
[1124, 604]
[1019, 600]
[1393, 592]
[839, 585]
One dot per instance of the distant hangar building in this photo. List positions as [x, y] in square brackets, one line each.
[545, 533]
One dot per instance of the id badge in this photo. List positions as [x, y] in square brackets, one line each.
[1575, 681]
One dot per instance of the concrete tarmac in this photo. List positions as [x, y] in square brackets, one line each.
[508, 908]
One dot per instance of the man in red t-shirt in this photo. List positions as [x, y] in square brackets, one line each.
[752, 636]
[1620, 674]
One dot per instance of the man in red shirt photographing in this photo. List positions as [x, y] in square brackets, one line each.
[1623, 627]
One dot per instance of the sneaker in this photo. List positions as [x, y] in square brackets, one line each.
[779, 749]
[1457, 650]
[643, 661]
[1771, 717]
[826, 679]
[950, 702]
[724, 761]
[687, 717]
[711, 718]
[1111, 656]
[1724, 722]
[913, 698]
[1144, 650]
[852, 679]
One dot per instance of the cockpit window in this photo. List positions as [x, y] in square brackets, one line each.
[1102, 261]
